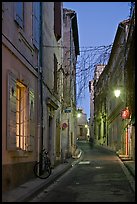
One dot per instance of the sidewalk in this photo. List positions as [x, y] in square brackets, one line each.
[129, 163]
[28, 190]
[128, 166]
[32, 188]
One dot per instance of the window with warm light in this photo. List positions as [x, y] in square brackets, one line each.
[21, 116]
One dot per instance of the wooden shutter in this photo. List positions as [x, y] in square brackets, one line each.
[55, 73]
[31, 118]
[57, 20]
[36, 24]
[19, 13]
[11, 113]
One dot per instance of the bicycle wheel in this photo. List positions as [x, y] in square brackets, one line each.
[43, 174]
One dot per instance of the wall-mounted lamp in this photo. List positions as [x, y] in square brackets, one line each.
[78, 115]
[117, 93]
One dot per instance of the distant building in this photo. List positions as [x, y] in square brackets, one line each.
[82, 125]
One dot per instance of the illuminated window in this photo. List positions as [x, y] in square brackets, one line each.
[21, 116]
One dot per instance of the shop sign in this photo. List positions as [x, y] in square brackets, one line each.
[125, 113]
[64, 126]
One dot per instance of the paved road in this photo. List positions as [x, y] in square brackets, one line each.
[99, 177]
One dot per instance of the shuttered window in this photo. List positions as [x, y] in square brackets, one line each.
[11, 113]
[19, 13]
[55, 73]
[57, 20]
[31, 119]
[36, 24]
[20, 122]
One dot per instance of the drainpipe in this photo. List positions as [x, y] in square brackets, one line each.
[41, 83]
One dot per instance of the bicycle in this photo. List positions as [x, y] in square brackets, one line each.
[42, 169]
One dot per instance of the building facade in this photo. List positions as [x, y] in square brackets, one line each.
[34, 87]
[112, 116]
[70, 53]
[52, 76]
[20, 92]
[97, 72]
[82, 126]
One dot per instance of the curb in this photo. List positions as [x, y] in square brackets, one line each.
[31, 189]
[130, 170]
[48, 182]
[128, 174]
[51, 180]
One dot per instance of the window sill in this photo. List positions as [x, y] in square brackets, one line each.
[20, 154]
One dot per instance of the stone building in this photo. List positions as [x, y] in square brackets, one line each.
[52, 77]
[130, 80]
[20, 91]
[82, 126]
[97, 72]
[34, 86]
[112, 128]
[70, 53]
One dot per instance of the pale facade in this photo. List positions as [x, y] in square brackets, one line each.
[70, 52]
[52, 73]
[20, 51]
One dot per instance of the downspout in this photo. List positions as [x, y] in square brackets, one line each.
[41, 82]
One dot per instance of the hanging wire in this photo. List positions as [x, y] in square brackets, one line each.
[88, 59]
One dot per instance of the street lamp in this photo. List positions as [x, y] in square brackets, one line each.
[117, 92]
[78, 115]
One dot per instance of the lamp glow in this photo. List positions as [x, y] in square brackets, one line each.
[117, 93]
[78, 115]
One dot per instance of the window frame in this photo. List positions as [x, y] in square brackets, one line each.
[28, 121]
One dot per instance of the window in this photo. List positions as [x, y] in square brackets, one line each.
[21, 116]
[19, 13]
[36, 24]
[99, 130]
[57, 20]
[81, 131]
[55, 73]
[21, 120]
